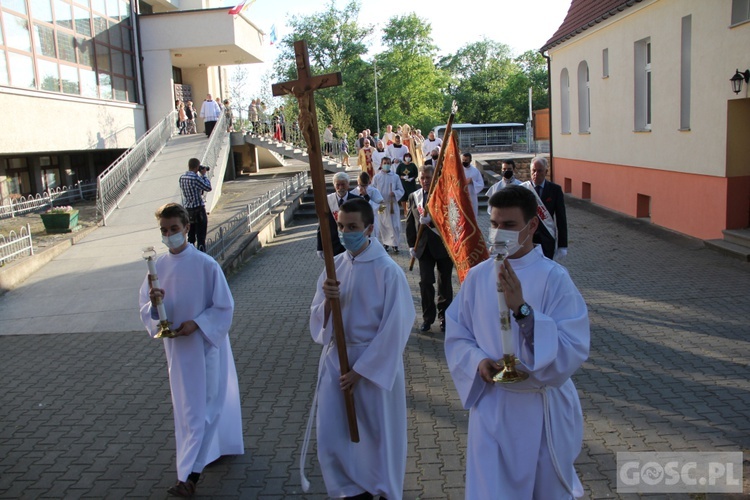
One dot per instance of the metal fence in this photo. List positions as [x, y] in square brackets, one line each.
[16, 245]
[39, 201]
[219, 134]
[292, 135]
[115, 182]
[227, 233]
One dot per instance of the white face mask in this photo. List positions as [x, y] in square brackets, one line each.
[173, 242]
[510, 238]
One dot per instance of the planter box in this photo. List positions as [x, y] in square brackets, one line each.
[60, 223]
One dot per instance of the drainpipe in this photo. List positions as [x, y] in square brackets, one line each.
[549, 96]
[140, 63]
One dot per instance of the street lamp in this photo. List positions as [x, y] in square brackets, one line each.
[737, 80]
[377, 108]
[377, 104]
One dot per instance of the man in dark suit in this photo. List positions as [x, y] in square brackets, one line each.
[553, 217]
[431, 252]
[335, 200]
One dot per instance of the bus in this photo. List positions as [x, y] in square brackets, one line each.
[487, 136]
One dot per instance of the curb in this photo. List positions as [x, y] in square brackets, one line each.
[266, 230]
[17, 272]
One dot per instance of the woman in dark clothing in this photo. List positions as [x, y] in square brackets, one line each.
[407, 172]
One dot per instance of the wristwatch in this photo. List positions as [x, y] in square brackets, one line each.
[523, 312]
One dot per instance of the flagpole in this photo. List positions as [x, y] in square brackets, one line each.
[438, 171]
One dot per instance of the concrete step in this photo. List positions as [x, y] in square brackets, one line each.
[305, 214]
[731, 249]
[738, 236]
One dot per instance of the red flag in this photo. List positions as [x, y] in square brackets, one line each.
[452, 213]
[240, 7]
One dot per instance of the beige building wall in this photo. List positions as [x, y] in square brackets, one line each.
[65, 123]
[717, 50]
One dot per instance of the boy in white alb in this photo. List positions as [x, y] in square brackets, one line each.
[523, 437]
[202, 376]
[378, 313]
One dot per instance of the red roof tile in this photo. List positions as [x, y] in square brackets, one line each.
[584, 14]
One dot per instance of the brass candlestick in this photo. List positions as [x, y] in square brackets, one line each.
[509, 374]
[164, 325]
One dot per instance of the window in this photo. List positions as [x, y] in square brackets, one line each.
[605, 63]
[584, 108]
[49, 75]
[83, 21]
[22, 70]
[63, 17]
[70, 83]
[3, 69]
[642, 77]
[685, 73]
[69, 46]
[44, 40]
[564, 102]
[17, 33]
[740, 11]
[17, 5]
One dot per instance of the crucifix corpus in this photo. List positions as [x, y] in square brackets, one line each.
[303, 89]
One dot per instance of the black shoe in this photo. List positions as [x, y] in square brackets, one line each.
[425, 327]
[395, 249]
[442, 325]
[386, 247]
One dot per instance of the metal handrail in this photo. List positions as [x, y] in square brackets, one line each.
[210, 157]
[116, 181]
[227, 233]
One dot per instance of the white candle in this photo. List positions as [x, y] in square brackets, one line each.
[506, 334]
[155, 284]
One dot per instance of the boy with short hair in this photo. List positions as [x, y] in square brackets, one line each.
[202, 376]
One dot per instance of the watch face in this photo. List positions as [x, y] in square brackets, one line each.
[525, 310]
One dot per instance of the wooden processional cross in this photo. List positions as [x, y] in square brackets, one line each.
[303, 89]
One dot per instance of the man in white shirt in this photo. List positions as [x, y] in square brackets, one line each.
[474, 180]
[371, 195]
[328, 140]
[389, 185]
[431, 143]
[389, 135]
[377, 156]
[508, 171]
[210, 112]
[397, 149]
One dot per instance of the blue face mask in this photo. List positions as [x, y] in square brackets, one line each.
[353, 241]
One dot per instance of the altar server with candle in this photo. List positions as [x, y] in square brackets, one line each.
[524, 437]
[202, 375]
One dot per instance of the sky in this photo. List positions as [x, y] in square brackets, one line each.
[521, 24]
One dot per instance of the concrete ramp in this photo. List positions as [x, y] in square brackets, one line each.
[93, 286]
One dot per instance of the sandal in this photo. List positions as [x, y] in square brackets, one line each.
[184, 489]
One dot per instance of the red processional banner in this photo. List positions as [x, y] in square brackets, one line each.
[453, 215]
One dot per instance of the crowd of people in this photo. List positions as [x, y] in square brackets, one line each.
[549, 324]
[523, 438]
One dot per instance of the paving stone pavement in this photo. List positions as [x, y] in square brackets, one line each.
[89, 415]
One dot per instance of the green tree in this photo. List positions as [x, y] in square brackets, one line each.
[336, 42]
[491, 86]
[478, 73]
[410, 86]
[339, 118]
